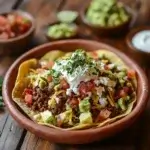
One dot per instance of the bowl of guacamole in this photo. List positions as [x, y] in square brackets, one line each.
[107, 16]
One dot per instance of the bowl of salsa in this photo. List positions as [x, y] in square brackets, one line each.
[16, 30]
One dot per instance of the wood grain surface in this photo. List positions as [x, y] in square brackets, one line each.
[13, 137]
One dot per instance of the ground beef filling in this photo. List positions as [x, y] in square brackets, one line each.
[41, 98]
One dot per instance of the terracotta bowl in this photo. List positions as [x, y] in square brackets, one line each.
[75, 35]
[140, 56]
[20, 43]
[109, 31]
[79, 136]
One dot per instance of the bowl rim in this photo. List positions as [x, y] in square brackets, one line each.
[43, 130]
[131, 34]
[31, 29]
[131, 20]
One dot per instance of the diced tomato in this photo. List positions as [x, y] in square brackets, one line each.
[19, 19]
[21, 29]
[131, 74]
[28, 91]
[64, 85]
[83, 89]
[2, 28]
[106, 67]
[49, 78]
[126, 89]
[103, 115]
[122, 93]
[28, 99]
[4, 35]
[13, 25]
[90, 85]
[73, 102]
[3, 20]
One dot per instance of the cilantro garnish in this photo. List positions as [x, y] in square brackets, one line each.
[78, 58]
[72, 65]
[55, 76]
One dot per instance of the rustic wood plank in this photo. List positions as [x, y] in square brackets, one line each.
[6, 5]
[5, 63]
[44, 11]
[120, 141]
[32, 142]
[3, 120]
[11, 135]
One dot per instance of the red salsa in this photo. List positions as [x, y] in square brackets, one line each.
[13, 25]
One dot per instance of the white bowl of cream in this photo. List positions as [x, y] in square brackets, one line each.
[141, 40]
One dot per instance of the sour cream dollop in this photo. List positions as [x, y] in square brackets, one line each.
[141, 40]
[80, 74]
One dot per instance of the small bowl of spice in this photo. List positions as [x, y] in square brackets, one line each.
[138, 40]
[107, 17]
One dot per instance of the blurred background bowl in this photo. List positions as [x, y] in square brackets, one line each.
[20, 43]
[142, 57]
[49, 38]
[110, 31]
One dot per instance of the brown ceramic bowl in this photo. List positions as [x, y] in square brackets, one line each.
[139, 55]
[19, 43]
[78, 136]
[109, 31]
[75, 35]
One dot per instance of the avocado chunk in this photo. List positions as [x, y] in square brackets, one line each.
[86, 118]
[48, 117]
[65, 117]
[52, 102]
[37, 117]
[84, 105]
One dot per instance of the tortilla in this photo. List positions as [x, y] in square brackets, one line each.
[52, 55]
[22, 82]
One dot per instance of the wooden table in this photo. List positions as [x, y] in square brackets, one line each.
[13, 137]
